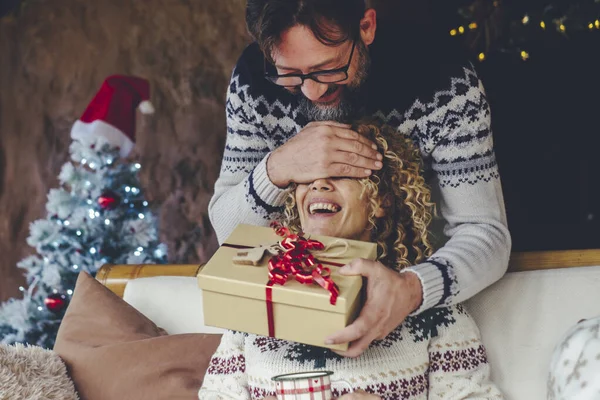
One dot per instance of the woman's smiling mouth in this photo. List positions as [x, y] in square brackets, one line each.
[323, 208]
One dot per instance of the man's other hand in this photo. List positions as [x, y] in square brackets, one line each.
[391, 297]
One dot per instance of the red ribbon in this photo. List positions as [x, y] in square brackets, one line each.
[297, 262]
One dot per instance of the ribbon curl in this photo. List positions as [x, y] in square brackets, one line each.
[295, 261]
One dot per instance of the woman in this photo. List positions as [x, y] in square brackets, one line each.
[437, 354]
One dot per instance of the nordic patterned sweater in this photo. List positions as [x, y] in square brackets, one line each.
[440, 103]
[435, 355]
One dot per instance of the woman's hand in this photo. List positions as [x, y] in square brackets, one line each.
[359, 395]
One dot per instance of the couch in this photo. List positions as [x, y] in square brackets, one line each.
[522, 317]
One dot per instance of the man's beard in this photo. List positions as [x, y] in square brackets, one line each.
[349, 102]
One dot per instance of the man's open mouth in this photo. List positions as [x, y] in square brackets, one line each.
[330, 96]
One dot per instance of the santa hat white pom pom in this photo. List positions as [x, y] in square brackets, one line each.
[146, 107]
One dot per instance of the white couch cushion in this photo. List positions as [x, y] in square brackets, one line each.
[173, 303]
[522, 318]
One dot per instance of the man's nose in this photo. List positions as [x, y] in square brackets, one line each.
[313, 90]
[322, 185]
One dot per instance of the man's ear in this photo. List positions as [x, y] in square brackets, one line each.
[368, 26]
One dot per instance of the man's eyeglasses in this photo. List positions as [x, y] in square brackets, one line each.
[325, 76]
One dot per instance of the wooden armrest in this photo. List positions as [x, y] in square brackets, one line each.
[553, 259]
[115, 277]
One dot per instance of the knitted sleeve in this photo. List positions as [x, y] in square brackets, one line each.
[455, 136]
[226, 377]
[458, 366]
[243, 192]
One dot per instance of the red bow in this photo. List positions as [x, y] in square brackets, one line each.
[297, 261]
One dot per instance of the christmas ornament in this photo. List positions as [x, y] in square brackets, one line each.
[56, 302]
[109, 200]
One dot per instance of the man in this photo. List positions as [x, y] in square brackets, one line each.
[318, 64]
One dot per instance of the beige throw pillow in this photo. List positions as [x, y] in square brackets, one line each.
[114, 352]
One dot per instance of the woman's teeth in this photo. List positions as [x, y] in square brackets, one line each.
[323, 208]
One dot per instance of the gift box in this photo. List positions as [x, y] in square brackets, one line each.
[260, 299]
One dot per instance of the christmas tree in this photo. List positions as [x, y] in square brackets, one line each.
[98, 215]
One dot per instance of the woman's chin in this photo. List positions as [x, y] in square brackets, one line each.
[319, 230]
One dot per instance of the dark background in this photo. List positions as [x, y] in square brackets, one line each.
[545, 110]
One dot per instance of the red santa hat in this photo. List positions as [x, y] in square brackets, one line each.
[111, 113]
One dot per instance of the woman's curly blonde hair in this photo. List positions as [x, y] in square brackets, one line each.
[402, 235]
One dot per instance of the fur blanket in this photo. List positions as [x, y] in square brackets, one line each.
[33, 373]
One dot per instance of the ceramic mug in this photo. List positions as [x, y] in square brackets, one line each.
[313, 385]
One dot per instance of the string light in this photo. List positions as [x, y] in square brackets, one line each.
[75, 266]
[40, 308]
[473, 25]
[83, 161]
[453, 32]
[69, 292]
[524, 55]
[461, 29]
[543, 25]
[137, 166]
[89, 201]
[562, 28]
[481, 56]
[107, 221]
[597, 23]
[145, 203]
[92, 165]
[92, 250]
[525, 19]
[67, 223]
[591, 26]
[127, 189]
[21, 289]
[141, 216]
[109, 161]
[78, 233]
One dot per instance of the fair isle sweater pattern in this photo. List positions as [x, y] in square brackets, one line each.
[448, 363]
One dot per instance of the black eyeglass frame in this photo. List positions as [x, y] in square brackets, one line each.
[312, 75]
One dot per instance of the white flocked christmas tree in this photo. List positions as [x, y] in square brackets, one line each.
[97, 216]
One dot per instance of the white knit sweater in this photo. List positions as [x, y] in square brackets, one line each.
[449, 120]
[436, 355]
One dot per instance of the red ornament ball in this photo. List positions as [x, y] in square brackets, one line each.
[56, 302]
[109, 200]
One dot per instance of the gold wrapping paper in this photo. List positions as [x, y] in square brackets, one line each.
[234, 296]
